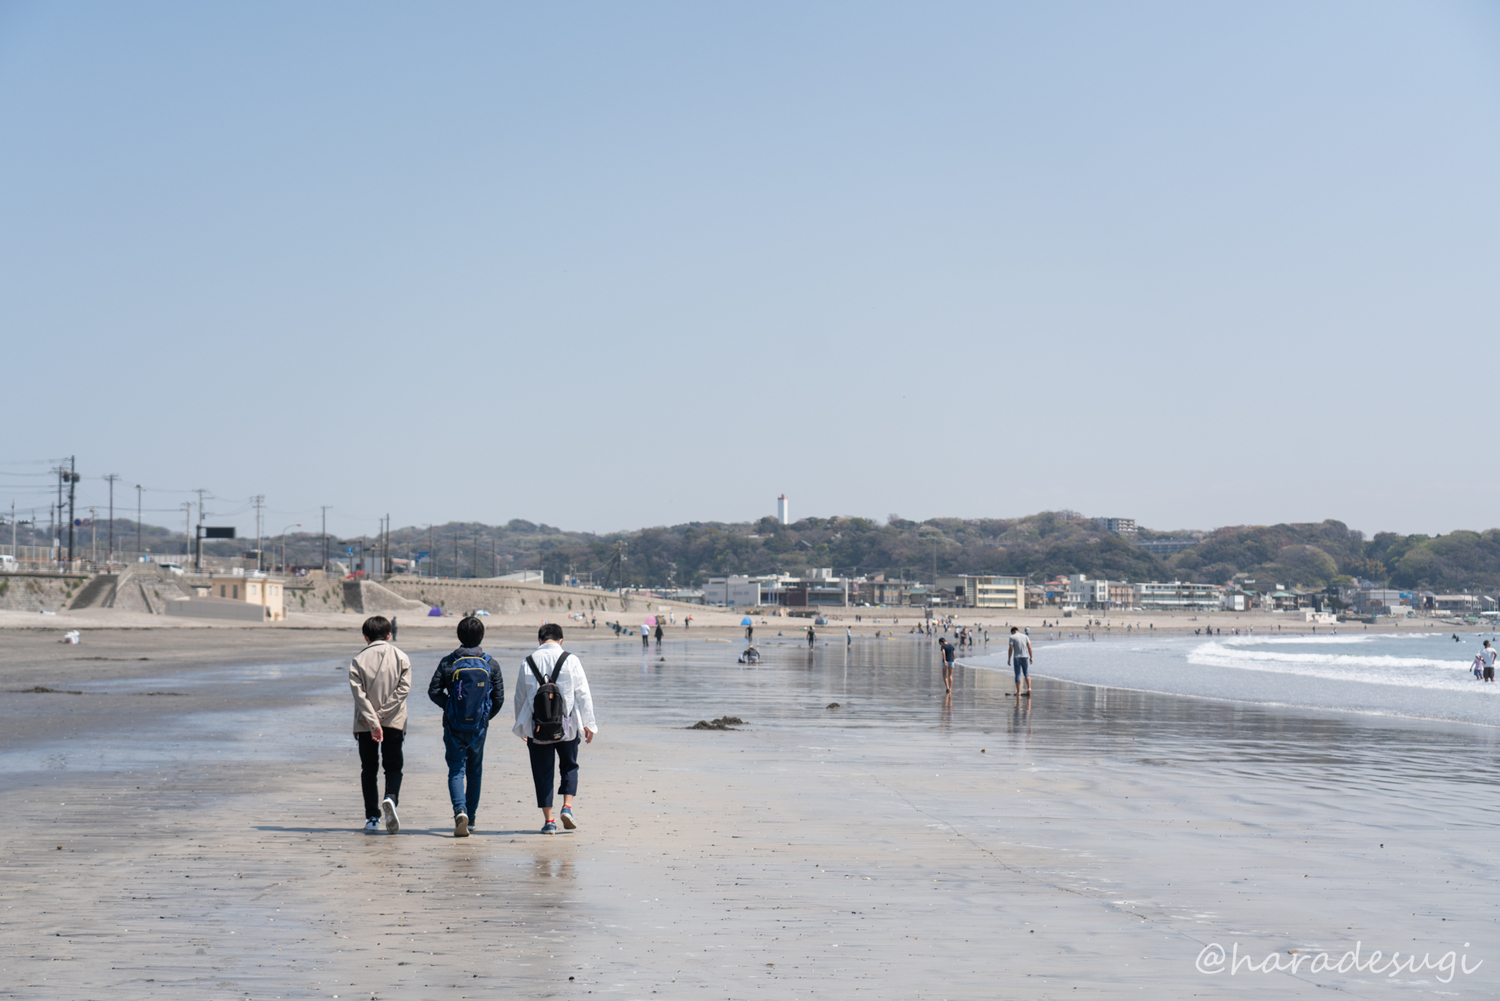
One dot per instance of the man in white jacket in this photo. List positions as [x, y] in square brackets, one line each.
[578, 719]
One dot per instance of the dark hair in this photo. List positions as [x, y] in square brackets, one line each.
[376, 627]
[470, 631]
[1015, 629]
[551, 631]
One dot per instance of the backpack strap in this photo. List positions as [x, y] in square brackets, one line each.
[556, 668]
[534, 672]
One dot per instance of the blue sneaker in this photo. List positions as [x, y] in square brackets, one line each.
[566, 816]
[550, 827]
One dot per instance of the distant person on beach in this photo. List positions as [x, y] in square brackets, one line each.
[1019, 657]
[645, 636]
[749, 632]
[811, 635]
[553, 733]
[1488, 655]
[380, 678]
[659, 633]
[848, 636]
[947, 651]
[468, 686]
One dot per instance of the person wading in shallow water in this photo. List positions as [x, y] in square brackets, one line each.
[946, 649]
[1019, 657]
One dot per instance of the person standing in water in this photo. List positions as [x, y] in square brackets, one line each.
[1487, 655]
[1019, 656]
[947, 651]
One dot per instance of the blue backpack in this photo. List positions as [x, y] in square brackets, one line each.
[468, 709]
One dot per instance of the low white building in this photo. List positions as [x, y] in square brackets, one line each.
[985, 592]
[734, 591]
[1176, 595]
[1084, 592]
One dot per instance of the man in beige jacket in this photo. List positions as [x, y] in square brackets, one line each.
[380, 678]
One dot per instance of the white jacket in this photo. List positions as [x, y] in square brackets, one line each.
[572, 684]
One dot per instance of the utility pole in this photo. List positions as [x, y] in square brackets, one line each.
[94, 536]
[259, 500]
[431, 552]
[56, 542]
[187, 528]
[110, 479]
[325, 536]
[138, 549]
[199, 564]
[72, 491]
[455, 552]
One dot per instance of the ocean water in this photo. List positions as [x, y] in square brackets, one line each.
[1414, 675]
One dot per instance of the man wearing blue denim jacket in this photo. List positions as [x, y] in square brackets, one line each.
[463, 739]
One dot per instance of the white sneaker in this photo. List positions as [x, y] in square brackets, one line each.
[372, 825]
[388, 810]
[461, 825]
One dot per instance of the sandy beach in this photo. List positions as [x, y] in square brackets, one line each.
[189, 826]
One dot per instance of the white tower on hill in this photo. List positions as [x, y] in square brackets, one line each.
[783, 513]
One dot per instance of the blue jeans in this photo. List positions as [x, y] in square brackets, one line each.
[465, 756]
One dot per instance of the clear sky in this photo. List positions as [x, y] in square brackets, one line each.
[615, 265]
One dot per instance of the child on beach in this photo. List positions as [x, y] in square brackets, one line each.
[468, 686]
[549, 665]
[380, 678]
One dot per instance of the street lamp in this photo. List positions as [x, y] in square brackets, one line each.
[283, 545]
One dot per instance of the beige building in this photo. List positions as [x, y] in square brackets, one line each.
[985, 592]
[268, 592]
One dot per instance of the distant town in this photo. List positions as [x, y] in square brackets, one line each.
[1062, 561]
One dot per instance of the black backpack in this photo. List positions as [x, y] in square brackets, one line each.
[547, 704]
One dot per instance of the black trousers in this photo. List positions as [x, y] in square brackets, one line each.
[541, 768]
[371, 755]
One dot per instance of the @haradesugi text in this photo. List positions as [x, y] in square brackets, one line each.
[1214, 958]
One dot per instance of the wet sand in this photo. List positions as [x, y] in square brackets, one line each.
[1083, 843]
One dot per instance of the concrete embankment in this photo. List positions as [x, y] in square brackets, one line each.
[39, 591]
[139, 588]
[145, 587]
[504, 598]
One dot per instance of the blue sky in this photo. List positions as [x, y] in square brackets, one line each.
[607, 266]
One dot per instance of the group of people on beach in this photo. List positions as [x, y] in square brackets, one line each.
[553, 711]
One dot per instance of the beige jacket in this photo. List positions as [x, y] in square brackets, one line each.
[380, 678]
